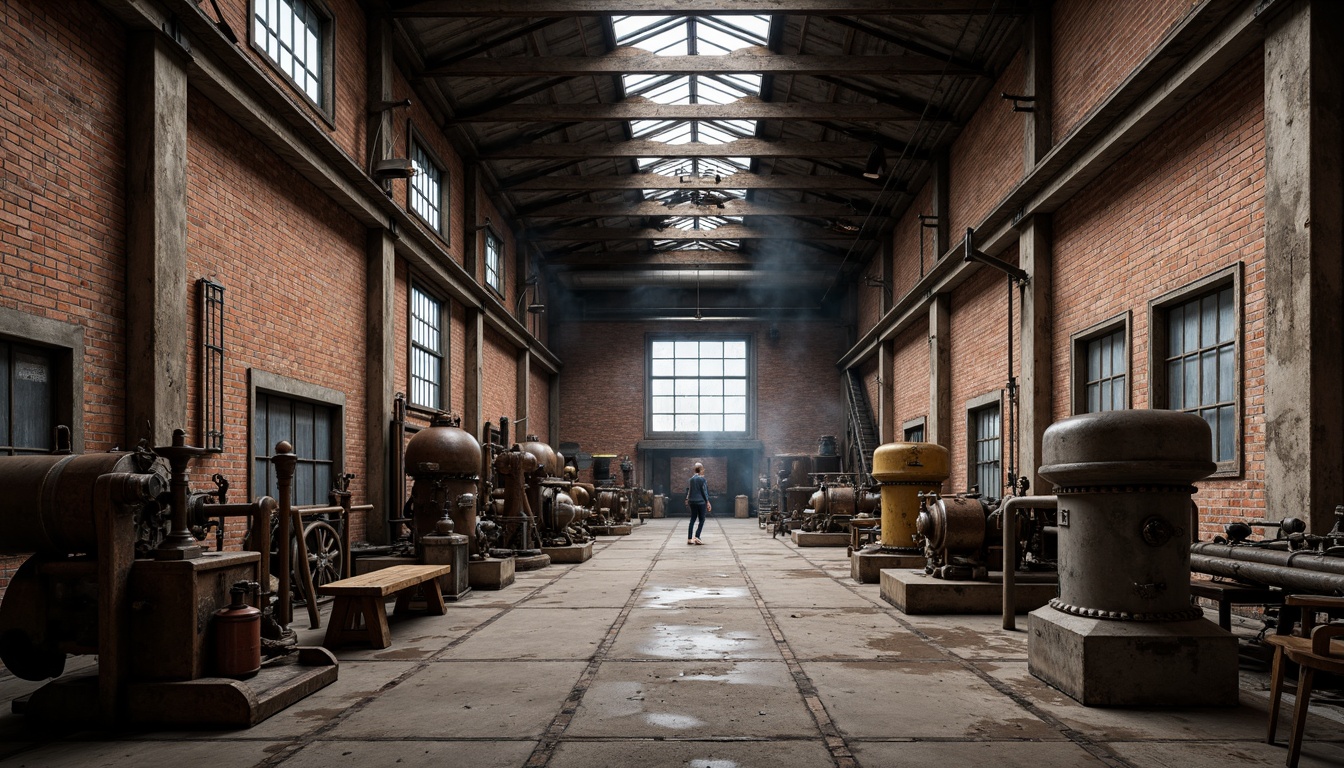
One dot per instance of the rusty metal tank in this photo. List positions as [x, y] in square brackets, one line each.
[47, 505]
[904, 470]
[444, 461]
[547, 457]
[1124, 484]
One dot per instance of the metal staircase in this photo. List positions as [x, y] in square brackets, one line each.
[861, 431]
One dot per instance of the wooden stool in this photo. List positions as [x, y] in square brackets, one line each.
[358, 614]
[1312, 649]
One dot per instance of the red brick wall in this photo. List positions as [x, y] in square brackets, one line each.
[911, 364]
[798, 388]
[1184, 204]
[979, 352]
[500, 395]
[906, 247]
[292, 264]
[539, 405]
[62, 187]
[986, 159]
[869, 297]
[1097, 45]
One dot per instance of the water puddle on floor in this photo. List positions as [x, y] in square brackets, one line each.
[676, 597]
[675, 722]
[675, 641]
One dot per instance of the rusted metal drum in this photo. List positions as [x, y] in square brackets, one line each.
[953, 524]
[445, 461]
[905, 470]
[1124, 484]
[48, 501]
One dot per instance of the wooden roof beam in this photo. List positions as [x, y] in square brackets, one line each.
[585, 150]
[570, 8]
[725, 232]
[737, 110]
[659, 181]
[632, 61]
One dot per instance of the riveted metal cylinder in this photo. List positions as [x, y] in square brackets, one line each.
[444, 461]
[1124, 484]
[905, 470]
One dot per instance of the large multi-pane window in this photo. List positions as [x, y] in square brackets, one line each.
[698, 385]
[311, 428]
[27, 399]
[983, 441]
[426, 188]
[426, 349]
[1104, 383]
[294, 34]
[494, 262]
[1201, 369]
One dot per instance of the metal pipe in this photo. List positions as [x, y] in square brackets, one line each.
[1291, 578]
[1008, 519]
[1304, 560]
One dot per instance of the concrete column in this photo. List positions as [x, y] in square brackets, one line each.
[1035, 409]
[474, 368]
[522, 396]
[886, 392]
[379, 380]
[938, 428]
[156, 239]
[1304, 281]
[1037, 82]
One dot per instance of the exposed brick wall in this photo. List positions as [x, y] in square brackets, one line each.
[457, 349]
[986, 159]
[868, 375]
[978, 345]
[798, 389]
[906, 246]
[62, 187]
[500, 390]
[911, 364]
[1095, 47]
[539, 405]
[869, 298]
[292, 263]
[1186, 203]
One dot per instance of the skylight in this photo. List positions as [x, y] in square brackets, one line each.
[693, 36]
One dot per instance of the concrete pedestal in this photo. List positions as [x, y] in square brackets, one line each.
[867, 567]
[612, 530]
[495, 573]
[918, 593]
[449, 549]
[814, 539]
[531, 562]
[741, 508]
[1107, 663]
[574, 553]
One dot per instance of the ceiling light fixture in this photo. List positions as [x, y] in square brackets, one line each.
[877, 163]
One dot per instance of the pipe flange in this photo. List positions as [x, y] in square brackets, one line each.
[1146, 488]
[1098, 613]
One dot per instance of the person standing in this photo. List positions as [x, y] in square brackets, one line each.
[697, 500]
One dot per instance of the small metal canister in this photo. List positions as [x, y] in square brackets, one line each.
[238, 634]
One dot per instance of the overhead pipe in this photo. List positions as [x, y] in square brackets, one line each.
[1008, 521]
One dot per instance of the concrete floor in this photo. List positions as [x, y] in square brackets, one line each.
[744, 652]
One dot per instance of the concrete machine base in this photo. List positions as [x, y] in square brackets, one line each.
[867, 567]
[531, 562]
[611, 530]
[815, 539]
[574, 553]
[1109, 663]
[495, 573]
[918, 593]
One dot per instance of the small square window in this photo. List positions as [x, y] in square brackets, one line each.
[494, 262]
[296, 36]
[913, 431]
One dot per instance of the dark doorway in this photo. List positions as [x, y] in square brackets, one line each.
[730, 474]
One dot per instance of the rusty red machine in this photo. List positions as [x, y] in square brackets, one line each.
[116, 572]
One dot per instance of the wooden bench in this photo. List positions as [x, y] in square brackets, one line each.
[358, 614]
[1227, 595]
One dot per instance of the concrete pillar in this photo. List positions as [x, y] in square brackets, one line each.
[938, 428]
[523, 397]
[156, 239]
[1035, 409]
[474, 368]
[379, 380]
[886, 392]
[1037, 82]
[1304, 281]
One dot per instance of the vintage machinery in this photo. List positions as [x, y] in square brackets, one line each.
[443, 460]
[1293, 560]
[962, 537]
[795, 488]
[1122, 631]
[903, 471]
[550, 497]
[835, 502]
[767, 503]
[116, 572]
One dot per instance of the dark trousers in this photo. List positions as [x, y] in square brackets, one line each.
[697, 514]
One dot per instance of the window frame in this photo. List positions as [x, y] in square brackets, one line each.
[748, 433]
[1078, 375]
[327, 107]
[263, 382]
[67, 341]
[920, 423]
[445, 340]
[416, 140]
[492, 236]
[972, 408]
[1158, 313]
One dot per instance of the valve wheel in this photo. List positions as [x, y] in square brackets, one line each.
[325, 557]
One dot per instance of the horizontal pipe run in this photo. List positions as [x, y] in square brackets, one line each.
[1289, 578]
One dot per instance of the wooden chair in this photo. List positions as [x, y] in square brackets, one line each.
[1312, 648]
